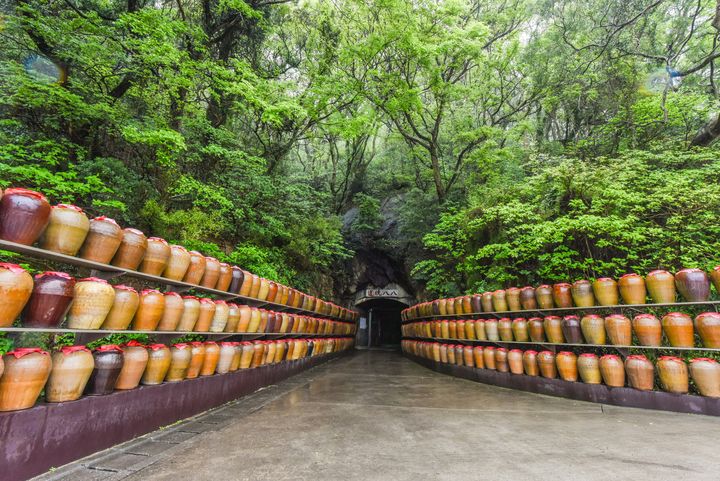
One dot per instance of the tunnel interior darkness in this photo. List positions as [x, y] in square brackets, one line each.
[383, 322]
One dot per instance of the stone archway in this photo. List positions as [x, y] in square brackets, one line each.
[380, 309]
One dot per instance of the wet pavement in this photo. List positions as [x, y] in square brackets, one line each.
[375, 415]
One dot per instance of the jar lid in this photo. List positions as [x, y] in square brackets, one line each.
[519, 319]
[70, 349]
[205, 300]
[515, 350]
[210, 258]
[636, 356]
[134, 231]
[508, 289]
[610, 356]
[494, 292]
[157, 347]
[220, 301]
[658, 271]
[682, 314]
[670, 358]
[565, 353]
[158, 239]
[646, 316]
[709, 313]
[588, 354]
[531, 353]
[562, 284]
[123, 287]
[94, 279]
[225, 264]
[196, 253]
[552, 317]
[476, 347]
[605, 279]
[543, 286]
[181, 345]
[145, 292]
[704, 359]
[24, 351]
[630, 274]
[582, 281]
[197, 343]
[108, 347]
[592, 316]
[178, 247]
[535, 319]
[68, 206]
[690, 269]
[571, 316]
[190, 297]
[506, 319]
[25, 192]
[102, 218]
[64, 275]
[11, 267]
[171, 293]
[546, 352]
[134, 343]
[210, 342]
[489, 348]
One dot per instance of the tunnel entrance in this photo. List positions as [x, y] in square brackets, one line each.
[380, 310]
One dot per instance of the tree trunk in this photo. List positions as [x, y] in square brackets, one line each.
[437, 179]
[708, 134]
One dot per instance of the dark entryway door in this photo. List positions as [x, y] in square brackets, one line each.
[383, 318]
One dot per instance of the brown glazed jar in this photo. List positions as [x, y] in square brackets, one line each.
[593, 329]
[196, 268]
[486, 301]
[619, 330]
[589, 368]
[536, 329]
[612, 370]
[648, 330]
[460, 329]
[172, 312]
[582, 293]
[562, 296]
[212, 356]
[102, 241]
[476, 303]
[123, 310]
[706, 376]
[460, 355]
[606, 291]
[180, 356]
[135, 359]
[225, 278]
[71, 370]
[255, 292]
[469, 330]
[673, 374]
[178, 263]
[512, 295]
[108, 363]
[452, 330]
[715, 277]
[24, 214]
[693, 285]
[640, 372]
[25, 374]
[567, 366]
[50, 299]
[132, 249]
[632, 289]
[246, 286]
[546, 363]
[247, 352]
[515, 361]
[207, 312]
[488, 357]
[480, 333]
[156, 256]
[197, 351]
[246, 314]
[150, 310]
[571, 330]
[520, 329]
[499, 300]
[530, 365]
[93, 299]
[66, 230]
[259, 350]
[708, 326]
[553, 329]
[544, 297]
[678, 328]
[16, 287]
[501, 360]
[661, 286]
[234, 318]
[159, 358]
[236, 281]
[212, 273]
[527, 298]
[504, 329]
[442, 306]
[190, 315]
[220, 316]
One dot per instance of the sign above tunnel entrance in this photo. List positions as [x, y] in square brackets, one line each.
[382, 293]
[391, 291]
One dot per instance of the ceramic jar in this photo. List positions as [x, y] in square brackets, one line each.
[225, 278]
[527, 298]
[501, 360]
[234, 318]
[102, 241]
[236, 281]
[706, 376]
[93, 298]
[25, 374]
[553, 329]
[632, 289]
[715, 277]
[606, 291]
[619, 330]
[211, 274]
[476, 303]
[488, 357]
[207, 313]
[567, 366]
[571, 330]
[132, 249]
[546, 363]
[536, 329]
[593, 329]
[190, 314]
[491, 329]
[562, 296]
[678, 328]
[172, 312]
[156, 256]
[460, 324]
[197, 351]
[259, 350]
[480, 333]
[640, 373]
[693, 285]
[123, 310]
[469, 361]
[512, 295]
[708, 326]
[50, 299]
[530, 365]
[247, 351]
[515, 361]
[237, 356]
[180, 357]
[16, 287]
[135, 359]
[212, 356]
[661, 286]
[673, 374]
[612, 370]
[520, 330]
[478, 360]
[220, 317]
[178, 263]
[71, 370]
[159, 359]
[589, 368]
[196, 269]
[452, 329]
[108, 364]
[499, 301]
[486, 301]
[647, 329]
[24, 214]
[544, 297]
[582, 293]
[504, 329]
[66, 230]
[469, 330]
[150, 311]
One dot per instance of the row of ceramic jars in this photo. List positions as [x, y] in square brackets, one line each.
[74, 371]
[93, 303]
[636, 371]
[26, 216]
[661, 286]
[616, 329]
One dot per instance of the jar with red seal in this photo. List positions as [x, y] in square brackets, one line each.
[648, 329]
[544, 297]
[25, 373]
[485, 300]
[177, 264]
[108, 364]
[632, 289]
[562, 295]
[515, 361]
[66, 230]
[707, 325]
[72, 367]
[172, 313]
[566, 362]
[92, 300]
[527, 298]
[673, 374]
[546, 364]
[159, 359]
[237, 277]
[512, 296]
[24, 215]
[247, 352]
[499, 301]
[582, 293]
[16, 287]
[197, 351]
[640, 372]
[225, 278]
[102, 241]
[157, 255]
[50, 300]
[205, 317]
[706, 376]
[678, 328]
[536, 329]
[571, 330]
[619, 330]
[131, 250]
[530, 365]
[612, 370]
[234, 317]
[123, 309]
[520, 329]
[661, 286]
[259, 350]
[211, 274]
[553, 329]
[693, 285]
[212, 356]
[589, 368]
[150, 311]
[180, 356]
[606, 291]
[220, 316]
[190, 314]
[196, 269]
[593, 329]
[491, 329]
[135, 359]
[489, 358]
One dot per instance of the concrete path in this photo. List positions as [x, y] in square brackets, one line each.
[378, 416]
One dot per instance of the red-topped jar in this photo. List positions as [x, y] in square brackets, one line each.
[640, 372]
[505, 329]
[196, 269]
[520, 330]
[562, 296]
[589, 368]
[108, 364]
[536, 329]
[50, 300]
[102, 241]
[66, 230]
[205, 317]
[582, 293]
[499, 301]
[619, 330]
[172, 312]
[693, 285]
[678, 328]
[673, 374]
[530, 365]
[512, 295]
[225, 278]
[180, 357]
[123, 309]
[647, 329]
[178, 263]
[25, 374]
[132, 249]
[708, 326]
[211, 274]
[190, 314]
[24, 214]
[632, 289]
[135, 359]
[593, 329]
[566, 362]
[237, 278]
[544, 296]
[606, 291]
[515, 361]
[150, 311]
[71, 370]
[212, 356]
[706, 376]
[159, 359]
[571, 330]
[501, 360]
[156, 256]
[553, 329]
[197, 351]
[661, 286]
[527, 298]
[546, 363]
[16, 286]
[220, 316]
[93, 299]
[612, 370]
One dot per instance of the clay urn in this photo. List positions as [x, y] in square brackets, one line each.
[480, 333]
[705, 374]
[220, 316]
[26, 370]
[477, 357]
[536, 329]
[135, 359]
[619, 330]
[632, 289]
[16, 287]
[237, 276]
[178, 263]
[108, 364]
[50, 300]
[460, 329]
[71, 370]
[520, 329]
[491, 329]
[567, 366]
[212, 273]
[207, 313]
[661, 287]
[225, 278]
[452, 329]
[544, 297]
[589, 368]
[487, 303]
[246, 286]
[571, 330]
[707, 325]
[212, 356]
[102, 241]
[606, 291]
[501, 360]
[546, 363]
[469, 330]
[582, 293]
[693, 285]
[678, 328]
[150, 311]
[562, 295]
[553, 329]
[515, 361]
[612, 370]
[530, 365]
[123, 309]
[265, 290]
[593, 329]
[24, 214]
[66, 230]
[469, 361]
[673, 374]
[156, 256]
[499, 299]
[715, 277]
[234, 319]
[527, 298]
[648, 329]
[255, 292]
[190, 314]
[196, 268]
[512, 295]
[197, 351]
[92, 300]
[159, 359]
[132, 249]
[476, 303]
[180, 356]
[174, 307]
[504, 329]
[489, 357]
[640, 372]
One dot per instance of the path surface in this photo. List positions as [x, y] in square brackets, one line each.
[377, 416]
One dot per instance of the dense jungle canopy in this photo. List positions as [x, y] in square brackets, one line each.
[476, 143]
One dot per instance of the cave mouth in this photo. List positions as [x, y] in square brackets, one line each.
[382, 325]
